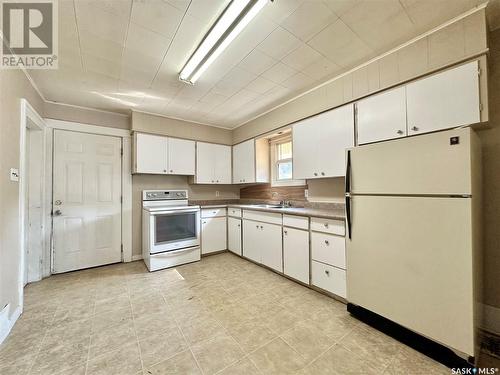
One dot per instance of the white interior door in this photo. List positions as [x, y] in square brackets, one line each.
[86, 200]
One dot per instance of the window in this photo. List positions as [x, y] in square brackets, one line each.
[282, 162]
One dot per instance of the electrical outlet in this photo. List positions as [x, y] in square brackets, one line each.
[14, 174]
[306, 193]
[217, 193]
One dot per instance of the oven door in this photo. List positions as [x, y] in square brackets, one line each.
[174, 229]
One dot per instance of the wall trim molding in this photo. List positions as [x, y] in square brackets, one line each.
[87, 108]
[6, 323]
[87, 128]
[181, 119]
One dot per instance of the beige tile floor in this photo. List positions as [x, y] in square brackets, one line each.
[223, 315]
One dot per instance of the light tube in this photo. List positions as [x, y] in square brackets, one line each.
[212, 46]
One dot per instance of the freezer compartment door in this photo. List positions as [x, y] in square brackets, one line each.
[410, 260]
[431, 164]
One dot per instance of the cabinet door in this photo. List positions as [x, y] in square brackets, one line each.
[244, 162]
[205, 163]
[305, 137]
[151, 154]
[444, 100]
[336, 134]
[181, 156]
[271, 245]
[296, 254]
[251, 240]
[222, 166]
[234, 235]
[382, 116]
[213, 235]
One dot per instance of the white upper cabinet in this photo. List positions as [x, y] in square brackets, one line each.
[444, 100]
[251, 161]
[181, 156]
[213, 163]
[319, 143]
[244, 162]
[155, 154]
[382, 116]
[151, 154]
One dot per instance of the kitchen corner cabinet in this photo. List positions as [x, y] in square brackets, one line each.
[234, 235]
[213, 234]
[251, 161]
[319, 143]
[213, 163]
[382, 116]
[154, 154]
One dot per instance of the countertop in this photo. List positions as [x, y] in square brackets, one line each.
[336, 214]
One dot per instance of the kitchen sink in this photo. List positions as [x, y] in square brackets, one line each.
[270, 205]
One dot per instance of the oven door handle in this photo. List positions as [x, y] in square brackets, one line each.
[174, 212]
[174, 252]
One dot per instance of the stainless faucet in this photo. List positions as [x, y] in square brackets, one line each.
[286, 203]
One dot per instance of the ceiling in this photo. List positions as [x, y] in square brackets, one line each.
[120, 55]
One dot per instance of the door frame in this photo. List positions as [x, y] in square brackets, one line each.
[126, 175]
[30, 119]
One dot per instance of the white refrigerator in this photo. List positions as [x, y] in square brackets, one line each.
[413, 234]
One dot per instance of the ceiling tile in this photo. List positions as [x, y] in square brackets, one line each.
[387, 17]
[233, 82]
[157, 16]
[257, 62]
[322, 68]
[278, 10]
[182, 5]
[309, 19]
[279, 43]
[339, 43]
[298, 82]
[102, 66]
[213, 98]
[145, 42]
[260, 85]
[135, 60]
[279, 72]
[95, 45]
[302, 57]
[340, 7]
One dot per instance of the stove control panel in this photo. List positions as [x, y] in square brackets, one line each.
[156, 195]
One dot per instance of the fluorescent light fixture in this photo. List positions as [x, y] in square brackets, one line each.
[232, 21]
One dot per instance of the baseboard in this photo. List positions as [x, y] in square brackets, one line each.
[136, 257]
[6, 324]
[491, 319]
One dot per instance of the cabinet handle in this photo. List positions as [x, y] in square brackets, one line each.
[204, 222]
[322, 173]
[212, 181]
[415, 128]
[315, 174]
[400, 132]
[326, 225]
[327, 242]
[285, 232]
[171, 171]
[164, 171]
[261, 227]
[327, 272]
[217, 180]
[238, 225]
[257, 226]
[214, 212]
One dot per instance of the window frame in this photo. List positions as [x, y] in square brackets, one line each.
[273, 145]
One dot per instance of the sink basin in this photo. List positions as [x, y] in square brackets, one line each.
[270, 205]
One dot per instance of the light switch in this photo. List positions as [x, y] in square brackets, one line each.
[14, 174]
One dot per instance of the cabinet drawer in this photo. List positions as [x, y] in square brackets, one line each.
[293, 221]
[328, 278]
[213, 212]
[235, 212]
[266, 217]
[328, 226]
[328, 248]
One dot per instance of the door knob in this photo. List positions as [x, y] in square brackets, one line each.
[57, 213]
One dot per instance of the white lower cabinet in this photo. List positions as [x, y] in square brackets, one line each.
[251, 245]
[296, 254]
[329, 278]
[270, 242]
[262, 243]
[213, 234]
[234, 235]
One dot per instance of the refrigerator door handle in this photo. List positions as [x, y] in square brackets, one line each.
[348, 173]
[348, 214]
